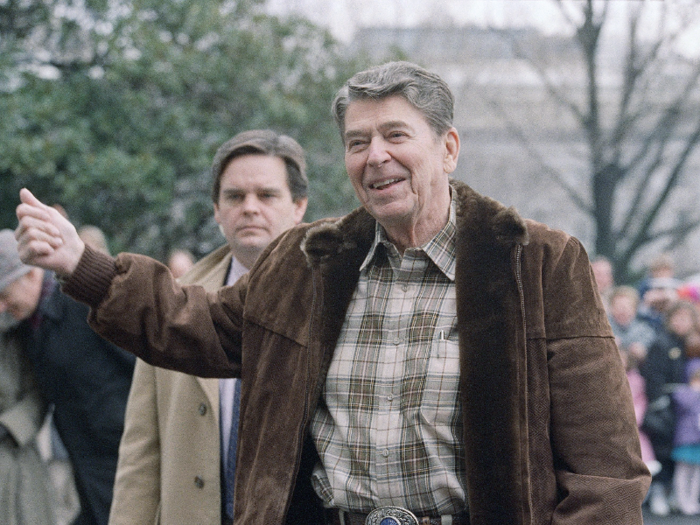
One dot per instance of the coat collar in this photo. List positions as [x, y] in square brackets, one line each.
[491, 219]
[210, 272]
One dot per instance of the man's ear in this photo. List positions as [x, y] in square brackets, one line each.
[216, 214]
[300, 209]
[451, 140]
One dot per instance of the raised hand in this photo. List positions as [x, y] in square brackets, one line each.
[46, 238]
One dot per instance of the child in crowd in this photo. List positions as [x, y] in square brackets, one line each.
[639, 398]
[686, 451]
[633, 335]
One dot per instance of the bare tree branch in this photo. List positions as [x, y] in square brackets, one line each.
[641, 237]
[669, 117]
[549, 85]
[555, 174]
[677, 233]
[655, 146]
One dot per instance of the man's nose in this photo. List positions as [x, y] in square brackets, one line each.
[378, 153]
[251, 204]
[3, 306]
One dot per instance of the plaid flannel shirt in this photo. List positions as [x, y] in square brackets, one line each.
[388, 428]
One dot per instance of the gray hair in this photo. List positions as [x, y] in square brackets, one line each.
[263, 142]
[424, 90]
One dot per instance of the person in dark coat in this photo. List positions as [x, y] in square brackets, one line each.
[664, 370]
[89, 398]
[686, 449]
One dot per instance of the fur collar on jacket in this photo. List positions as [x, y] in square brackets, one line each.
[483, 215]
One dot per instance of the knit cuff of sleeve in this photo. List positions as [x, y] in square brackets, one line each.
[92, 277]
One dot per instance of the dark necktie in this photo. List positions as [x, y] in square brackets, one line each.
[232, 444]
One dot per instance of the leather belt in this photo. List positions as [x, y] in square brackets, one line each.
[339, 517]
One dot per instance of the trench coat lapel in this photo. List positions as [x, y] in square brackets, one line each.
[211, 274]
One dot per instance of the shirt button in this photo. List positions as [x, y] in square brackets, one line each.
[198, 482]
[404, 287]
[202, 409]
[385, 453]
[390, 398]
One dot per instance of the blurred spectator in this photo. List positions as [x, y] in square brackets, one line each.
[663, 370]
[686, 450]
[60, 466]
[661, 267]
[180, 261]
[639, 397]
[661, 293]
[24, 479]
[603, 273]
[95, 237]
[89, 396]
[691, 293]
[633, 335]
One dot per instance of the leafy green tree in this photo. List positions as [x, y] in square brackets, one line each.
[123, 107]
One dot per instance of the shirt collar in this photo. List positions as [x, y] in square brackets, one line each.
[440, 249]
[235, 272]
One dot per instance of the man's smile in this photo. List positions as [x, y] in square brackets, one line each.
[380, 185]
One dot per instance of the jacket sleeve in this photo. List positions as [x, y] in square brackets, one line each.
[600, 475]
[137, 484]
[136, 304]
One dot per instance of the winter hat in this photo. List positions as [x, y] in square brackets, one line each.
[11, 267]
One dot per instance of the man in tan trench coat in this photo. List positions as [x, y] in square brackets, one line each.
[170, 454]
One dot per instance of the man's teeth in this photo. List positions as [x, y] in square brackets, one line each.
[384, 184]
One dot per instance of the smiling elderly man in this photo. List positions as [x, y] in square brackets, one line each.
[429, 358]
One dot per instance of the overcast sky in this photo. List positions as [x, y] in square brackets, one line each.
[344, 16]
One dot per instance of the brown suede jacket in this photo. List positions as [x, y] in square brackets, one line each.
[549, 429]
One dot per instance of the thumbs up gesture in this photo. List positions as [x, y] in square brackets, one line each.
[45, 237]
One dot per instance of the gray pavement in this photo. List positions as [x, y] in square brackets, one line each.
[673, 519]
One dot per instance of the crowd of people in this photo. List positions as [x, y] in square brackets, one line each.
[656, 327]
[431, 357]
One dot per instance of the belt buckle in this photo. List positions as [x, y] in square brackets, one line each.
[391, 516]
